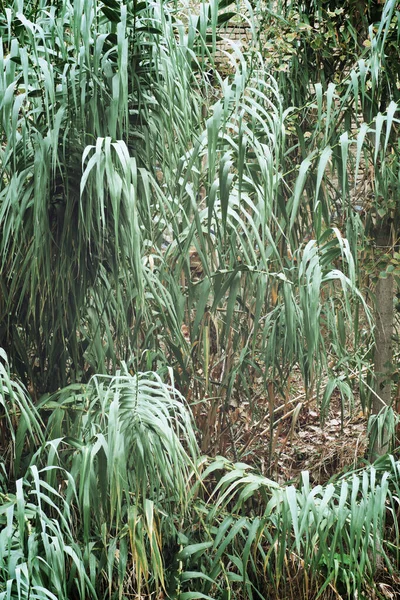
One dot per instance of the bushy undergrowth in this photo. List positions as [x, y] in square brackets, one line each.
[104, 494]
[160, 205]
[163, 201]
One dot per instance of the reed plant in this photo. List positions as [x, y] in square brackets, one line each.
[181, 216]
[113, 499]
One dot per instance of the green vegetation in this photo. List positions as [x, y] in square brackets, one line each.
[111, 499]
[186, 225]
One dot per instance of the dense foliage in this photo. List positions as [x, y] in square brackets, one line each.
[181, 216]
[111, 499]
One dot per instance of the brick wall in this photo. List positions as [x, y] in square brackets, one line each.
[240, 33]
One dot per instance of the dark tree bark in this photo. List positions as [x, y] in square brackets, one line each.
[383, 356]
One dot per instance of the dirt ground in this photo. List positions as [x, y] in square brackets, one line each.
[298, 441]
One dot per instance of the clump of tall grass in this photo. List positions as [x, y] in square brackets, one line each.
[304, 541]
[112, 498]
[148, 212]
[127, 150]
[105, 492]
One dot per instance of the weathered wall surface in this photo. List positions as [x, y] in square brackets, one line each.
[239, 33]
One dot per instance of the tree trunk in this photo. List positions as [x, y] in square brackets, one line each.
[383, 355]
